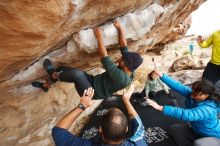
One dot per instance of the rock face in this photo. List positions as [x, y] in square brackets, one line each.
[28, 115]
[135, 24]
[61, 30]
[31, 31]
[187, 76]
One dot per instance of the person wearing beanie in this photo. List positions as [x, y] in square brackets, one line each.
[105, 84]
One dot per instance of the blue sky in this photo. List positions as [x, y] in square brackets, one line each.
[206, 19]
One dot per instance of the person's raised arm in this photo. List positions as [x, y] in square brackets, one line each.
[60, 133]
[193, 114]
[85, 101]
[137, 128]
[122, 39]
[101, 47]
[126, 98]
[174, 84]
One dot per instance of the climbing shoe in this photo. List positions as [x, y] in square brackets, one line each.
[39, 85]
[49, 68]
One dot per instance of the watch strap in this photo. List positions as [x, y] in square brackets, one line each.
[81, 106]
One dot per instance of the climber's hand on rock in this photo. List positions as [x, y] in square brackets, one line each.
[86, 99]
[117, 24]
[101, 47]
[98, 33]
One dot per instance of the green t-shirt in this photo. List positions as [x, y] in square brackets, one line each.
[112, 80]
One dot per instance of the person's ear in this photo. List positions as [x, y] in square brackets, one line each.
[127, 129]
[206, 95]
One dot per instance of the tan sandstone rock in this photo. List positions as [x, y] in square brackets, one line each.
[34, 30]
[187, 62]
[31, 30]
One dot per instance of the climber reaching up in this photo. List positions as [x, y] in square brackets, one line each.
[105, 84]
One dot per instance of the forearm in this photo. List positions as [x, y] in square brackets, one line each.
[204, 44]
[176, 85]
[131, 111]
[68, 119]
[194, 114]
[102, 50]
[122, 38]
[160, 108]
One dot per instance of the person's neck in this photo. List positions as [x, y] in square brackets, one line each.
[108, 142]
[129, 72]
[112, 142]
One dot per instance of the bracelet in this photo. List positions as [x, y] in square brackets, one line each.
[81, 106]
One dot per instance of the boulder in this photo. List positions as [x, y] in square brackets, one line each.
[187, 62]
[61, 30]
[187, 76]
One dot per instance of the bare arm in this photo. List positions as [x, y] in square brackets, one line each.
[68, 119]
[121, 33]
[154, 105]
[101, 47]
[126, 98]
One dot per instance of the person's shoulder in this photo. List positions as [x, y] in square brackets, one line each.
[208, 106]
[61, 136]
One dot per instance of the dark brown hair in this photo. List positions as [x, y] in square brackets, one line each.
[114, 125]
[149, 76]
[203, 87]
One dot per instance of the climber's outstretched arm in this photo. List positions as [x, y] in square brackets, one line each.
[101, 47]
[122, 39]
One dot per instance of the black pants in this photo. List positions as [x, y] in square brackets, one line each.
[151, 94]
[81, 79]
[212, 72]
[183, 134]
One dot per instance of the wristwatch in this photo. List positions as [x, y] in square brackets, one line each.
[81, 106]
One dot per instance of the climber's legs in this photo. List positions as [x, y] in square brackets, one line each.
[81, 79]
